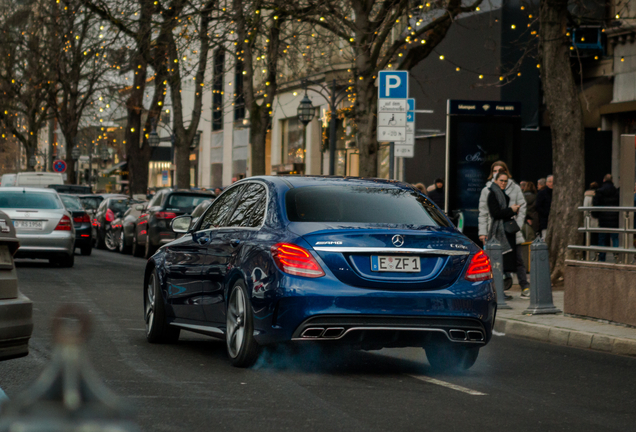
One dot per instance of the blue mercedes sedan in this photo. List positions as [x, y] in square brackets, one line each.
[363, 263]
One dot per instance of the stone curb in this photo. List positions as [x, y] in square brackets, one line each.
[567, 337]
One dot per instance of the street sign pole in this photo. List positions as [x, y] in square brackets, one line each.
[391, 159]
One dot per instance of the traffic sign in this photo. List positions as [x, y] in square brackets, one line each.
[392, 119]
[411, 104]
[391, 133]
[393, 84]
[404, 150]
[59, 166]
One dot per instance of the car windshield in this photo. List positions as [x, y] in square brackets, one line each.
[118, 205]
[71, 202]
[29, 200]
[356, 204]
[91, 203]
[184, 203]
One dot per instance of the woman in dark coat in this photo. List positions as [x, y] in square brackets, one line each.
[532, 216]
[501, 211]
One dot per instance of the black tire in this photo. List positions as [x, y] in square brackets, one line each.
[124, 248]
[242, 348]
[99, 242]
[86, 250]
[157, 328]
[451, 357]
[136, 249]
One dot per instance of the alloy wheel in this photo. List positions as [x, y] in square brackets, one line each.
[150, 302]
[110, 240]
[122, 243]
[236, 322]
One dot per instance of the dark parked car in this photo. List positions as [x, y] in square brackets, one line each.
[153, 226]
[124, 227]
[82, 222]
[71, 189]
[368, 264]
[16, 310]
[110, 209]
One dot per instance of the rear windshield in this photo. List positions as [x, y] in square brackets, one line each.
[184, 203]
[29, 200]
[353, 204]
[91, 203]
[118, 205]
[71, 202]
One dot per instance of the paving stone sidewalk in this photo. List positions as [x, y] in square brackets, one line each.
[565, 330]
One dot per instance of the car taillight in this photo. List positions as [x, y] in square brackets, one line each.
[64, 224]
[479, 268]
[296, 260]
[165, 215]
[82, 219]
[110, 215]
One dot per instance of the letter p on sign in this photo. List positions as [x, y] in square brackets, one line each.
[393, 84]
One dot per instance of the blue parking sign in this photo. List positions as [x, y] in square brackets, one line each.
[410, 115]
[393, 85]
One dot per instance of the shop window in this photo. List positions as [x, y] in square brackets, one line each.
[292, 145]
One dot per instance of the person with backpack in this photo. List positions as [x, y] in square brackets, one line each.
[606, 196]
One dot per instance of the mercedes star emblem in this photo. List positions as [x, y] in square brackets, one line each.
[397, 240]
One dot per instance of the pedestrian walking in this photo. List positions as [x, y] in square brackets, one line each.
[588, 201]
[544, 204]
[532, 217]
[503, 226]
[513, 191]
[437, 194]
[606, 196]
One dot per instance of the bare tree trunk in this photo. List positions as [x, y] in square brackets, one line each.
[135, 155]
[566, 123]
[365, 111]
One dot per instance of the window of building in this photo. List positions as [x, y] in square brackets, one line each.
[292, 145]
[239, 99]
[217, 90]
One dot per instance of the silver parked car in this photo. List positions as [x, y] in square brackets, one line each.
[43, 225]
[16, 319]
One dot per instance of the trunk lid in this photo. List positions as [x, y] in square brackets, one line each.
[48, 218]
[348, 250]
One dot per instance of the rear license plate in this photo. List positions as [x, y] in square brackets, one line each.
[405, 264]
[5, 256]
[32, 225]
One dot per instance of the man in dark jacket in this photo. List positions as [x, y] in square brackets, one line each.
[606, 196]
[544, 203]
[437, 194]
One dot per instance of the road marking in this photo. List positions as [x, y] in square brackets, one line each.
[448, 385]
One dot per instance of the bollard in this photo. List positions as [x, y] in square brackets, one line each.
[68, 395]
[540, 284]
[493, 250]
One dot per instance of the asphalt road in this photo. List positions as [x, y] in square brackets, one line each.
[516, 385]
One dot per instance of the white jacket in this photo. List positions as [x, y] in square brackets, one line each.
[513, 190]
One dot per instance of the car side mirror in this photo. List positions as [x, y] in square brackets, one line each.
[139, 207]
[181, 224]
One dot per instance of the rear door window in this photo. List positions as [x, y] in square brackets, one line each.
[220, 209]
[247, 206]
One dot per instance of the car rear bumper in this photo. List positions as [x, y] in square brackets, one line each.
[45, 245]
[374, 318]
[16, 326]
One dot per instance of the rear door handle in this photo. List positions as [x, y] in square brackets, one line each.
[235, 242]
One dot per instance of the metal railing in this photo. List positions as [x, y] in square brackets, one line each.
[626, 233]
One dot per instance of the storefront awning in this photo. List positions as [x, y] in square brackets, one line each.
[618, 107]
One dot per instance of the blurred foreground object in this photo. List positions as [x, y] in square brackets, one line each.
[68, 395]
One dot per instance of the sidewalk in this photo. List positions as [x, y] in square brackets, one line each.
[563, 330]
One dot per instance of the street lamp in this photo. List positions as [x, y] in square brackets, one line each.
[305, 110]
[153, 139]
[334, 97]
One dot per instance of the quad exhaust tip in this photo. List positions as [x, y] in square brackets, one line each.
[322, 333]
[463, 335]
